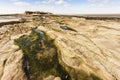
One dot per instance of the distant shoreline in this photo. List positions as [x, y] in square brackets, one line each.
[8, 18]
[92, 15]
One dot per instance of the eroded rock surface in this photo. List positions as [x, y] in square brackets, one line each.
[94, 48]
[89, 53]
[11, 57]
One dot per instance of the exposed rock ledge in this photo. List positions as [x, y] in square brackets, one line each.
[11, 57]
[93, 49]
[11, 62]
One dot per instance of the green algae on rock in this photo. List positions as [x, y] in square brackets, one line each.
[42, 58]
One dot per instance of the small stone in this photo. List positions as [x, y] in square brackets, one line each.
[51, 77]
[57, 78]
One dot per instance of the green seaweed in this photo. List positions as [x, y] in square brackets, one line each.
[42, 58]
[42, 61]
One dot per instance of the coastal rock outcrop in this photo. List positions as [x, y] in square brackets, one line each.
[48, 52]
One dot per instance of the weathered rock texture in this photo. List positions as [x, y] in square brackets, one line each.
[11, 57]
[91, 52]
[94, 48]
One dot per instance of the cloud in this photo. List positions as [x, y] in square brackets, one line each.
[48, 1]
[62, 2]
[14, 0]
[57, 2]
[57, 6]
[103, 1]
[99, 3]
[20, 3]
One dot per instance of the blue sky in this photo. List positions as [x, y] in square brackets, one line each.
[61, 6]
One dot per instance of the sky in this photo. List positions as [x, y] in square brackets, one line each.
[61, 6]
